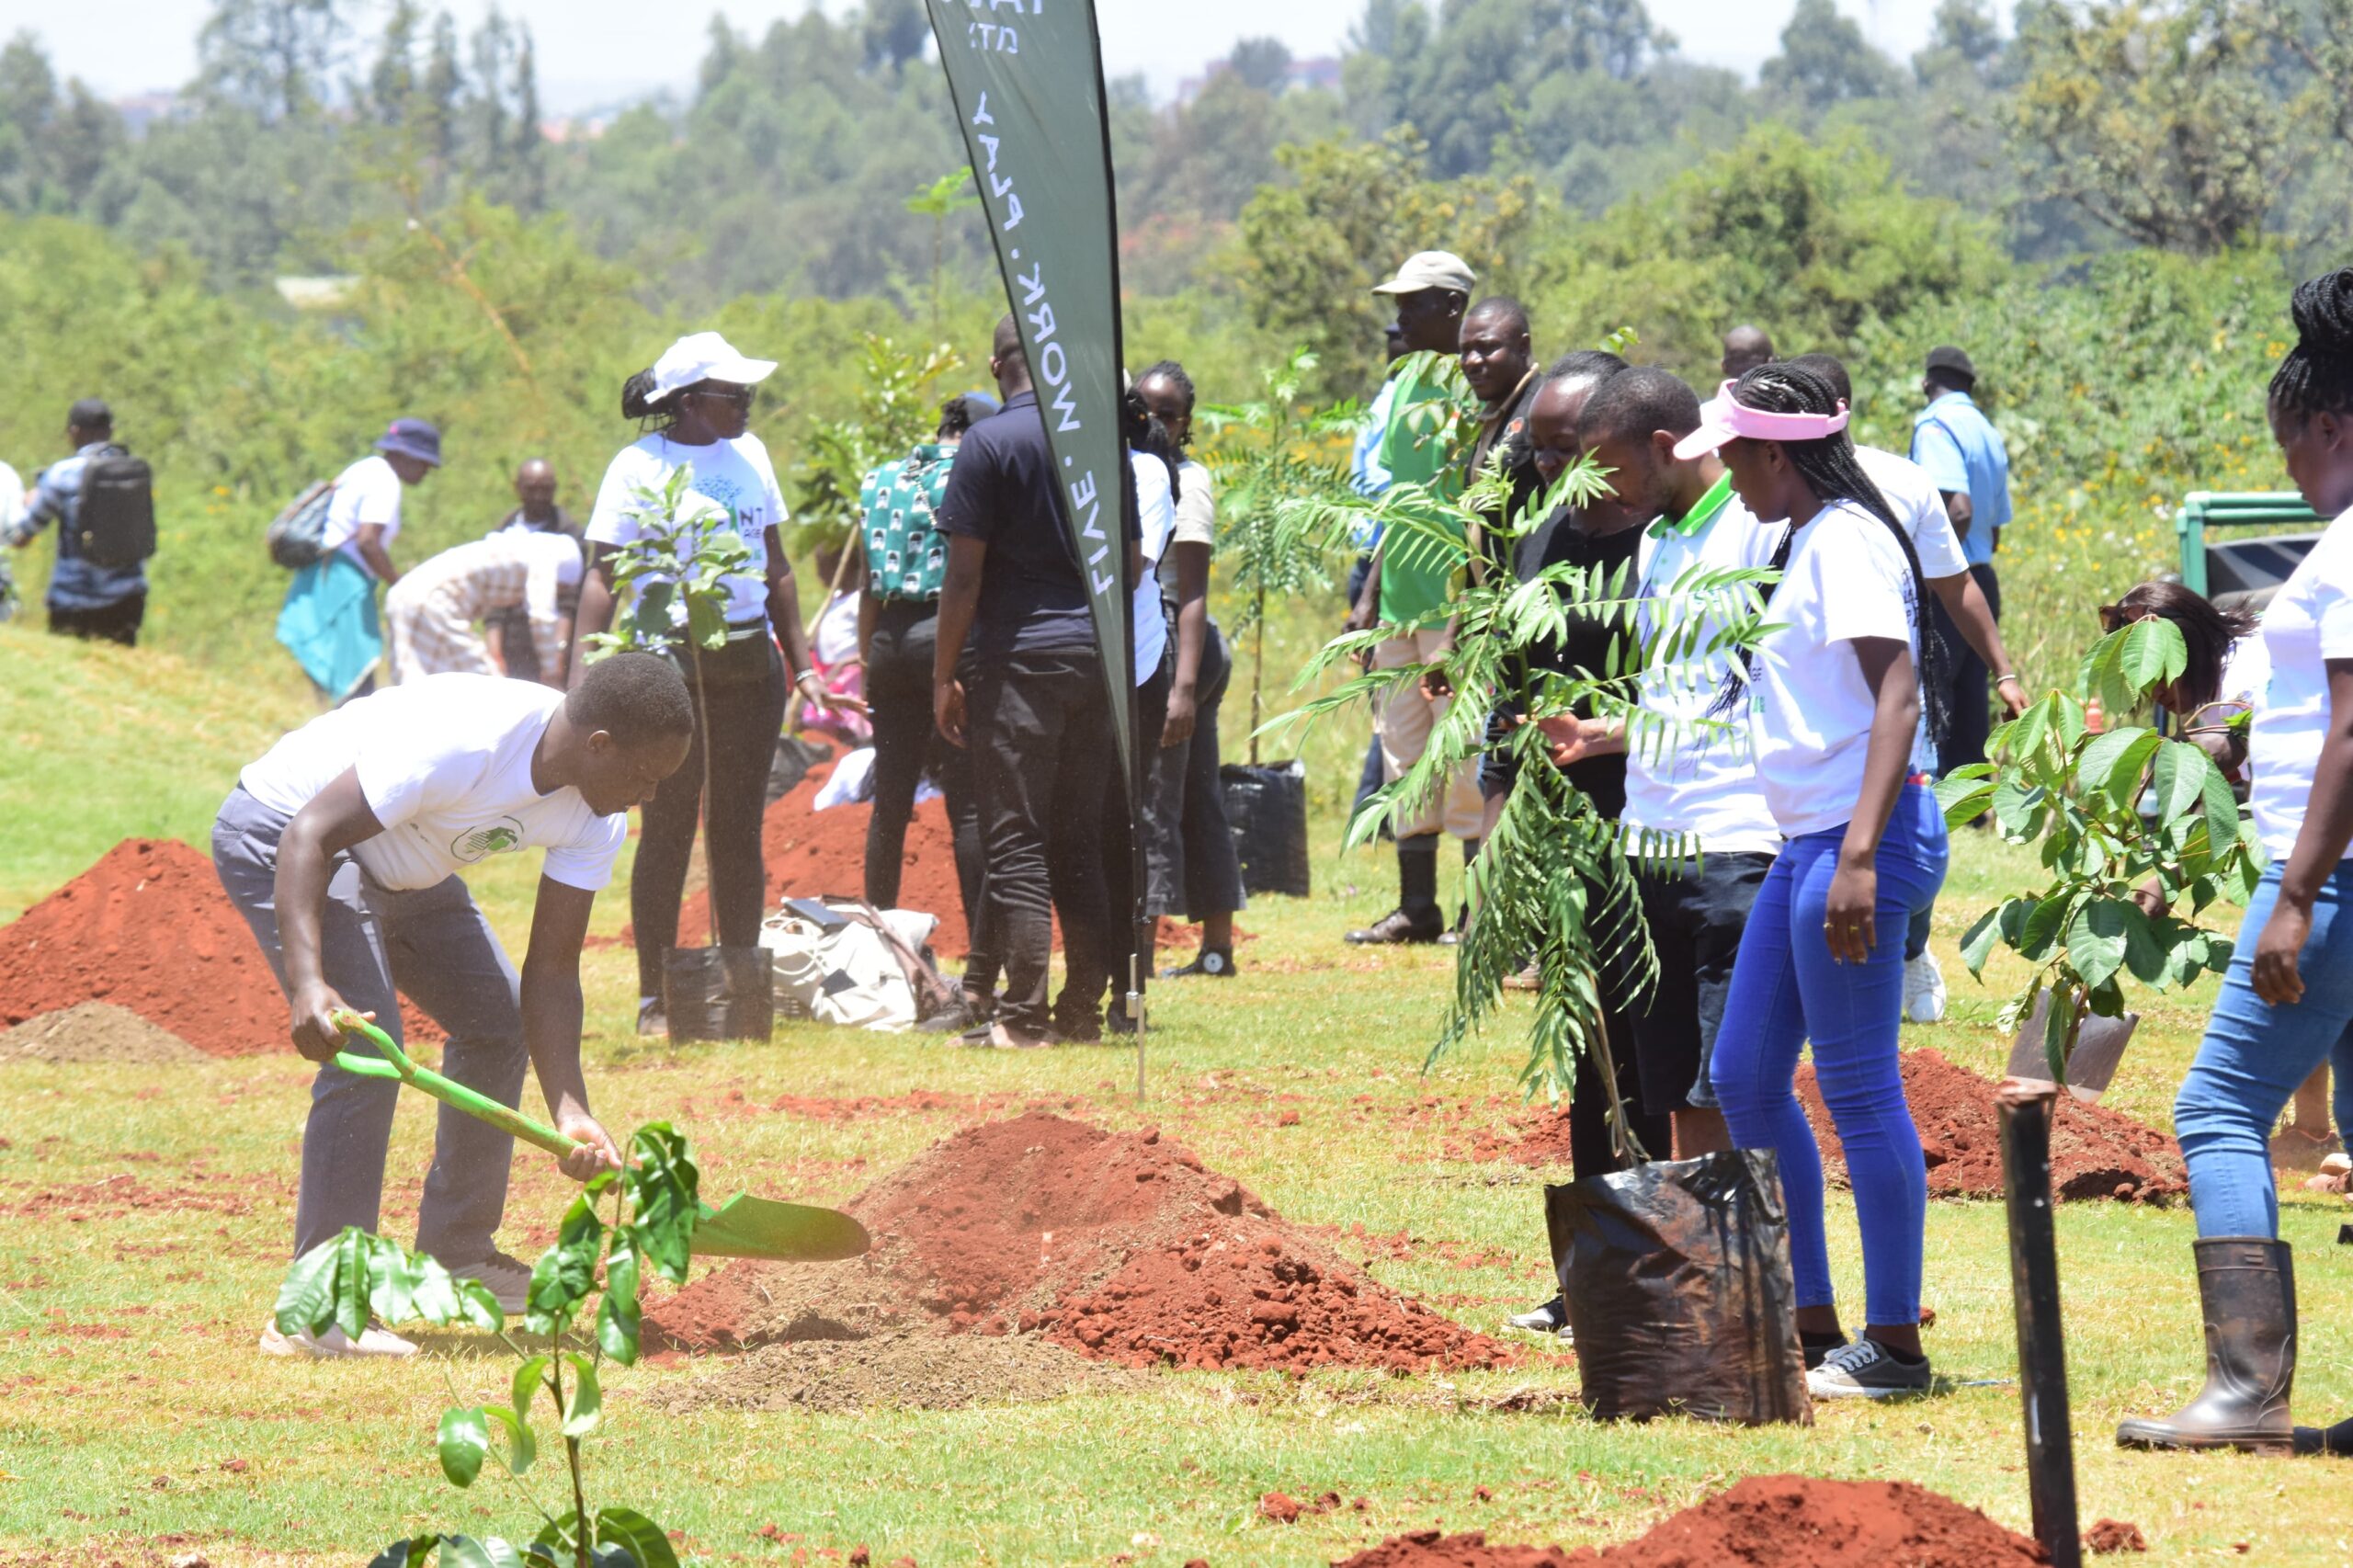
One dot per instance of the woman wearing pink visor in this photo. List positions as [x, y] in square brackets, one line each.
[1833, 700]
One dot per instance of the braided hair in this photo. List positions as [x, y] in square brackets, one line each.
[637, 402]
[1833, 474]
[1144, 433]
[2316, 377]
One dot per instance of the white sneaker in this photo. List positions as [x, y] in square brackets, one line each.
[1864, 1370]
[1924, 990]
[334, 1343]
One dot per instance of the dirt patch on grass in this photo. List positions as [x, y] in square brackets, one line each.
[96, 1031]
[124, 1194]
[1766, 1521]
[905, 1368]
[1119, 1246]
[2095, 1151]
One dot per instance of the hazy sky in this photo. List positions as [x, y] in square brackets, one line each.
[592, 50]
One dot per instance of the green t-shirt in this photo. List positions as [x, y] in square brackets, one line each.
[1416, 576]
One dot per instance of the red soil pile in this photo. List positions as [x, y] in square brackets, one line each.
[1766, 1521]
[2095, 1151]
[2115, 1535]
[148, 929]
[1120, 1247]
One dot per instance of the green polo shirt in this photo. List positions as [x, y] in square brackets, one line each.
[1416, 577]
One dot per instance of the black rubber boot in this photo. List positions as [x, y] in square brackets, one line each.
[1416, 917]
[2247, 1285]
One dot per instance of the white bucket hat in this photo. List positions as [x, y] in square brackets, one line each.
[704, 357]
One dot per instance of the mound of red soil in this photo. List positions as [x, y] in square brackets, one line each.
[1766, 1521]
[2095, 1151]
[1121, 1247]
[148, 929]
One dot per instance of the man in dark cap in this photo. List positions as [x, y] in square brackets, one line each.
[329, 622]
[87, 598]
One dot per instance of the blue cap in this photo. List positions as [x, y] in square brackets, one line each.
[411, 438]
[982, 405]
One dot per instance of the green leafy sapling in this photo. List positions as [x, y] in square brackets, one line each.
[2138, 834]
[623, 1224]
[1267, 455]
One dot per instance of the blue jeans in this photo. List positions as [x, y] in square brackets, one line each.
[1785, 990]
[2254, 1057]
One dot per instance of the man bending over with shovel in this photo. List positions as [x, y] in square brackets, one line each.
[342, 849]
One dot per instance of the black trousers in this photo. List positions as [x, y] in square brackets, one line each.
[117, 622]
[1592, 1150]
[1190, 808]
[1965, 682]
[907, 747]
[741, 699]
[1041, 739]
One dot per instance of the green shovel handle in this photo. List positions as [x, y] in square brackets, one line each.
[395, 1064]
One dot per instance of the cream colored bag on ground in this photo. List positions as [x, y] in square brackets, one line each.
[856, 966]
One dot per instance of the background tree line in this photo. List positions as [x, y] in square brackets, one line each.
[2105, 203]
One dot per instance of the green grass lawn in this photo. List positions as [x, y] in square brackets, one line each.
[144, 1215]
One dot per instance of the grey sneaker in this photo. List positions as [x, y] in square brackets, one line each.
[652, 1021]
[1550, 1318]
[1865, 1370]
[509, 1280]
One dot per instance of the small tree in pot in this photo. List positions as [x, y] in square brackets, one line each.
[671, 580]
[2138, 834]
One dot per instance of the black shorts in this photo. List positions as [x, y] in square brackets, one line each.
[1696, 913]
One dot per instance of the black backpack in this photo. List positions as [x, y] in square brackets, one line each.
[114, 524]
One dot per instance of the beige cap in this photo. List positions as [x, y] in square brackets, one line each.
[1431, 269]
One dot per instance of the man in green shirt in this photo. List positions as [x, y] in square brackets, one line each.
[1409, 584]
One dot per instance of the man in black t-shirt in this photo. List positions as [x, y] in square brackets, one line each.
[1018, 679]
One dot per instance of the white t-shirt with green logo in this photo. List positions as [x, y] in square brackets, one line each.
[445, 763]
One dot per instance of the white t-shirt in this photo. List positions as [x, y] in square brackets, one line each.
[1156, 511]
[1919, 505]
[1197, 508]
[1810, 710]
[2310, 620]
[445, 763]
[12, 497]
[367, 492]
[734, 477]
[1696, 778]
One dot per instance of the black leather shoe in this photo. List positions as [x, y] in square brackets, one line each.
[1210, 962]
[1398, 929]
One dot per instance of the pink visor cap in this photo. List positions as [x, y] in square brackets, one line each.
[1726, 419]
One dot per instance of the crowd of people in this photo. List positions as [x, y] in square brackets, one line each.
[1791, 778]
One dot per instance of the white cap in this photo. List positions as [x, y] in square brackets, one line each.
[704, 357]
[1431, 269]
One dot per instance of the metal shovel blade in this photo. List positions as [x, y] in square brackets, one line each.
[745, 1226]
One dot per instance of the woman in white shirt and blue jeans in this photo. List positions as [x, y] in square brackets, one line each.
[1834, 699]
[2288, 998]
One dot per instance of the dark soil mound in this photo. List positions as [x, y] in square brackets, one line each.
[2095, 1151]
[149, 929]
[94, 1031]
[1120, 1247]
[1766, 1521]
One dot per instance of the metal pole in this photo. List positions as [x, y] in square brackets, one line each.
[2034, 1287]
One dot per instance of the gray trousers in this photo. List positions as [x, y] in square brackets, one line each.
[434, 944]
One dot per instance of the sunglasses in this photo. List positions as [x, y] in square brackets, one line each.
[739, 397]
[2112, 617]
